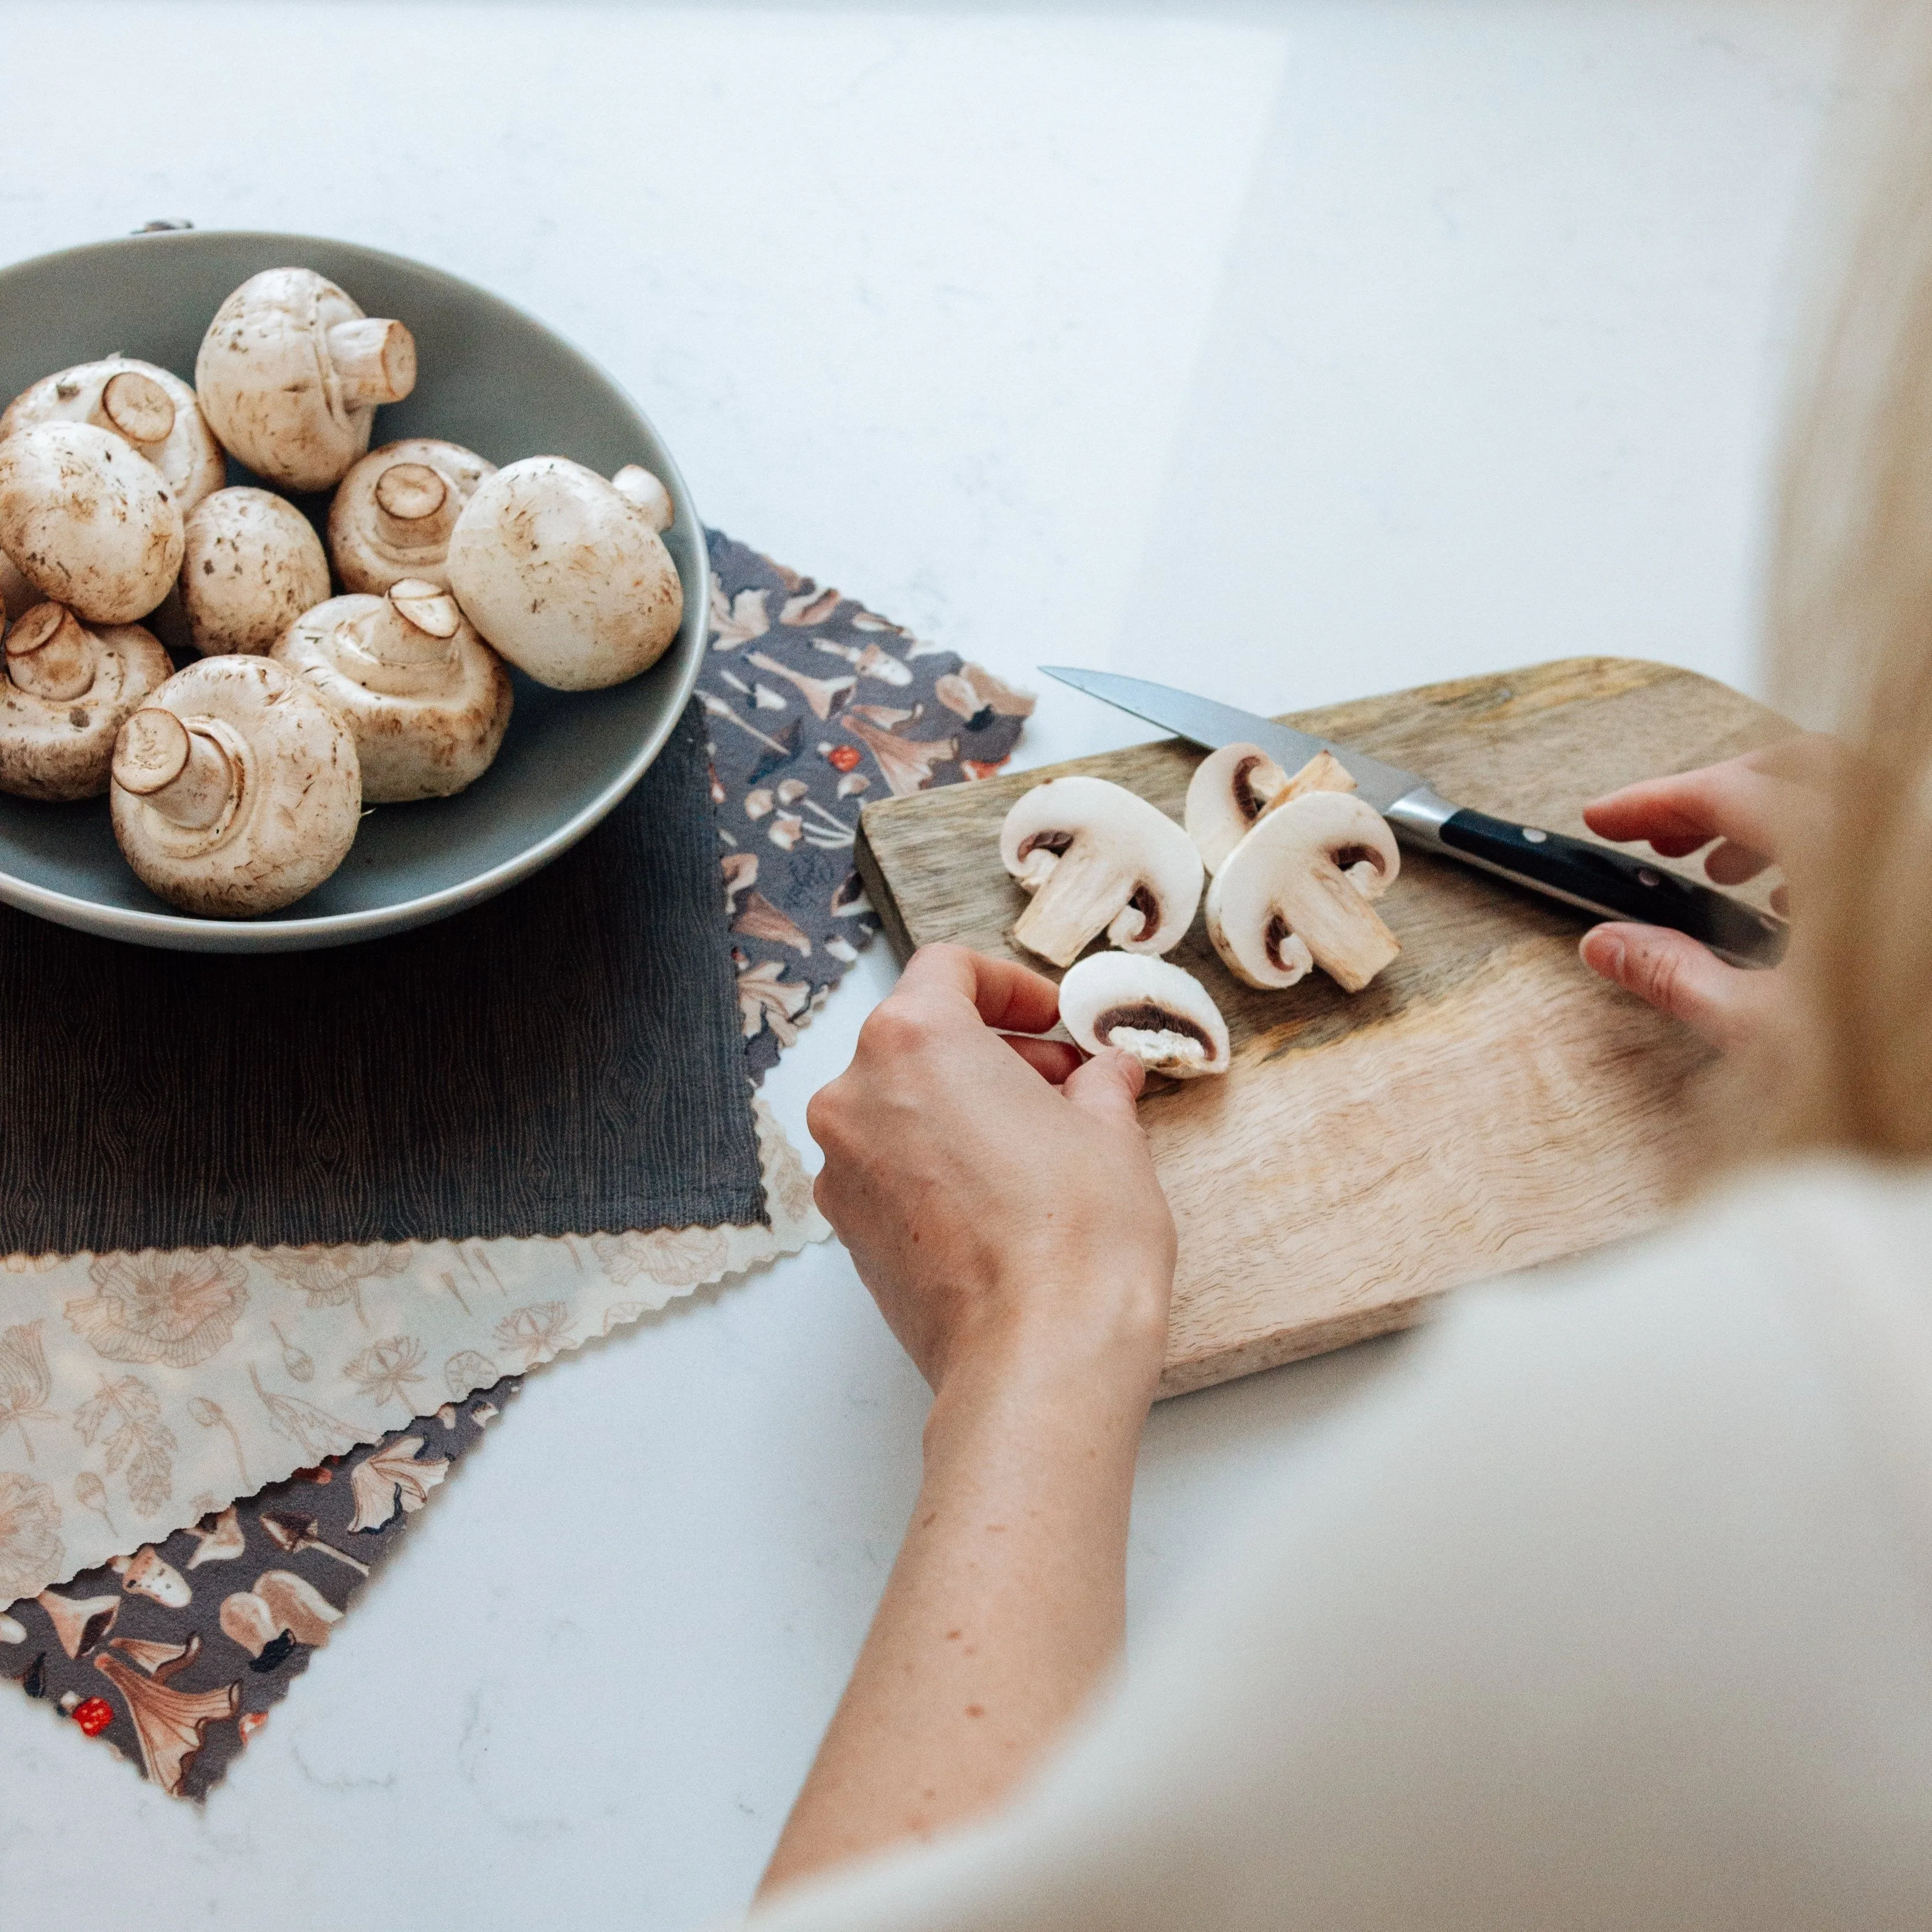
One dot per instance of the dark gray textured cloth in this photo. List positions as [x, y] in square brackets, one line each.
[566, 1059]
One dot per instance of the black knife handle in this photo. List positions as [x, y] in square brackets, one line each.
[1615, 885]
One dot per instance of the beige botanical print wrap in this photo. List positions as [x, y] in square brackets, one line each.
[138, 1392]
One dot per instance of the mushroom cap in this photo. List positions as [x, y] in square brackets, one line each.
[1149, 1008]
[91, 524]
[564, 575]
[61, 747]
[294, 805]
[1095, 856]
[252, 564]
[1295, 893]
[394, 513]
[427, 700]
[274, 384]
[186, 452]
[1229, 792]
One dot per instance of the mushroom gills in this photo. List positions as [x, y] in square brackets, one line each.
[1147, 1008]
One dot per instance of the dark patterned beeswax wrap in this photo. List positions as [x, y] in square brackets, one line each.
[564, 1059]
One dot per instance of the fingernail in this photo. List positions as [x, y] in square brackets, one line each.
[1604, 953]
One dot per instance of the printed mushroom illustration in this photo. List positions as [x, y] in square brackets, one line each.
[394, 514]
[235, 788]
[148, 406]
[428, 699]
[1233, 789]
[281, 1602]
[290, 373]
[1096, 858]
[69, 687]
[89, 523]
[80, 1623]
[1295, 893]
[148, 1573]
[252, 564]
[565, 574]
[1154, 1011]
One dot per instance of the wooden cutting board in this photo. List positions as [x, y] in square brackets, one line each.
[1487, 1104]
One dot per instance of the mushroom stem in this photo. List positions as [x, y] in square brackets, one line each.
[637, 485]
[137, 407]
[184, 774]
[1080, 895]
[50, 655]
[412, 507]
[375, 360]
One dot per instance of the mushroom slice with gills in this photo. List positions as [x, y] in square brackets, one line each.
[1150, 1009]
[394, 514]
[566, 574]
[1295, 893]
[290, 373]
[1234, 788]
[146, 406]
[236, 788]
[252, 565]
[1096, 858]
[428, 699]
[89, 523]
[69, 687]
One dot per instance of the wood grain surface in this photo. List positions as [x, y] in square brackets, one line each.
[1486, 1105]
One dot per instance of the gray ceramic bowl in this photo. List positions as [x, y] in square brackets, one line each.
[491, 378]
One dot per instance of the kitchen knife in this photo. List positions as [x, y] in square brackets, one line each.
[1608, 884]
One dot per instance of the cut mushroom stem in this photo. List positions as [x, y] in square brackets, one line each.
[375, 360]
[1149, 1009]
[184, 774]
[49, 654]
[1097, 859]
[138, 406]
[408, 495]
[1234, 788]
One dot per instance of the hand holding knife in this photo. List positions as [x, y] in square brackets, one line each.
[1610, 884]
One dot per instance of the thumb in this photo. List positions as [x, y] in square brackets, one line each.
[1727, 1004]
[1107, 1086]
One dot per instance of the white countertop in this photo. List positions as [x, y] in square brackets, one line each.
[1289, 351]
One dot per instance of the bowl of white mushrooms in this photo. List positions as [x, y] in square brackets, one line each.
[340, 595]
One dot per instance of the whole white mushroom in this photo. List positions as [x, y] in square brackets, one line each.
[69, 687]
[565, 573]
[291, 371]
[253, 564]
[88, 523]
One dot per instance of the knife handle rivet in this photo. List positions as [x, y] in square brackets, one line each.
[1646, 877]
[1533, 835]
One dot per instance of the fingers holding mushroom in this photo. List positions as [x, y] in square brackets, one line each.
[1234, 788]
[427, 700]
[251, 565]
[1097, 859]
[90, 524]
[1295, 893]
[395, 511]
[236, 788]
[146, 406]
[566, 574]
[290, 373]
[69, 687]
[1149, 1008]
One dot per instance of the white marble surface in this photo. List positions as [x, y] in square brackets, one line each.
[1291, 350]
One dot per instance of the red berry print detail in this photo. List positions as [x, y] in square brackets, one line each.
[842, 757]
[94, 1716]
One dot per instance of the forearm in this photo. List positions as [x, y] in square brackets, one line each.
[1004, 1608]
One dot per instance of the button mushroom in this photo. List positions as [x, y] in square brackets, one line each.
[69, 687]
[236, 788]
[428, 699]
[1233, 788]
[291, 371]
[394, 513]
[1150, 1009]
[150, 407]
[1095, 857]
[1295, 893]
[90, 524]
[252, 564]
[566, 574]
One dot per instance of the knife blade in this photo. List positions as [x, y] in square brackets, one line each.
[1596, 879]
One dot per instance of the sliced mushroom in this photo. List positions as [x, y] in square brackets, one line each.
[252, 565]
[1295, 893]
[394, 512]
[565, 574]
[1150, 1009]
[428, 699]
[236, 788]
[1233, 789]
[150, 407]
[290, 373]
[90, 524]
[1095, 858]
[68, 689]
